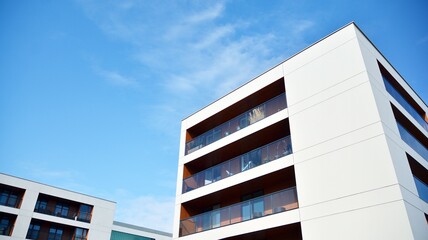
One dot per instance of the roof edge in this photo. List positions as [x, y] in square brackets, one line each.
[282, 62]
[1, 173]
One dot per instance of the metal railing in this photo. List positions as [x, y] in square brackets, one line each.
[254, 115]
[406, 105]
[414, 143]
[249, 160]
[43, 235]
[78, 216]
[254, 208]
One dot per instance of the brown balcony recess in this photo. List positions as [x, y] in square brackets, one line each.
[263, 196]
[252, 109]
[63, 208]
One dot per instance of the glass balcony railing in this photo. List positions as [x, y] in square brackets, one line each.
[403, 102]
[422, 189]
[256, 114]
[254, 158]
[414, 143]
[43, 235]
[78, 216]
[254, 208]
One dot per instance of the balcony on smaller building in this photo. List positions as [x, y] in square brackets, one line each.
[7, 222]
[11, 196]
[42, 230]
[254, 208]
[244, 162]
[63, 208]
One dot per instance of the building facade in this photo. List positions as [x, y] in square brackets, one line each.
[330, 144]
[31, 210]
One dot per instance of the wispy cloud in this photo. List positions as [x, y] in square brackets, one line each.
[211, 13]
[116, 78]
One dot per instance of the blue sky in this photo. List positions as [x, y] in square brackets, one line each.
[92, 93]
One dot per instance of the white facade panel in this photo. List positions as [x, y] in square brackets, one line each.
[336, 116]
[334, 67]
[384, 221]
[344, 172]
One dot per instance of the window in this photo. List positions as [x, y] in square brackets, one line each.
[5, 226]
[8, 198]
[61, 210]
[253, 208]
[55, 233]
[84, 213]
[41, 205]
[33, 231]
[80, 234]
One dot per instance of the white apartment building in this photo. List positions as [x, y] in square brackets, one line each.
[329, 144]
[31, 210]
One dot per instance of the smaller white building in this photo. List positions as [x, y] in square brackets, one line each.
[31, 210]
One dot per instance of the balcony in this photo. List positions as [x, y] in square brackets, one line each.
[54, 236]
[42, 230]
[244, 162]
[63, 208]
[266, 205]
[11, 196]
[73, 215]
[414, 143]
[405, 104]
[244, 120]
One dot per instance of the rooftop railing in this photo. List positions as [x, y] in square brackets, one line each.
[244, 162]
[406, 105]
[414, 143]
[254, 208]
[254, 115]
